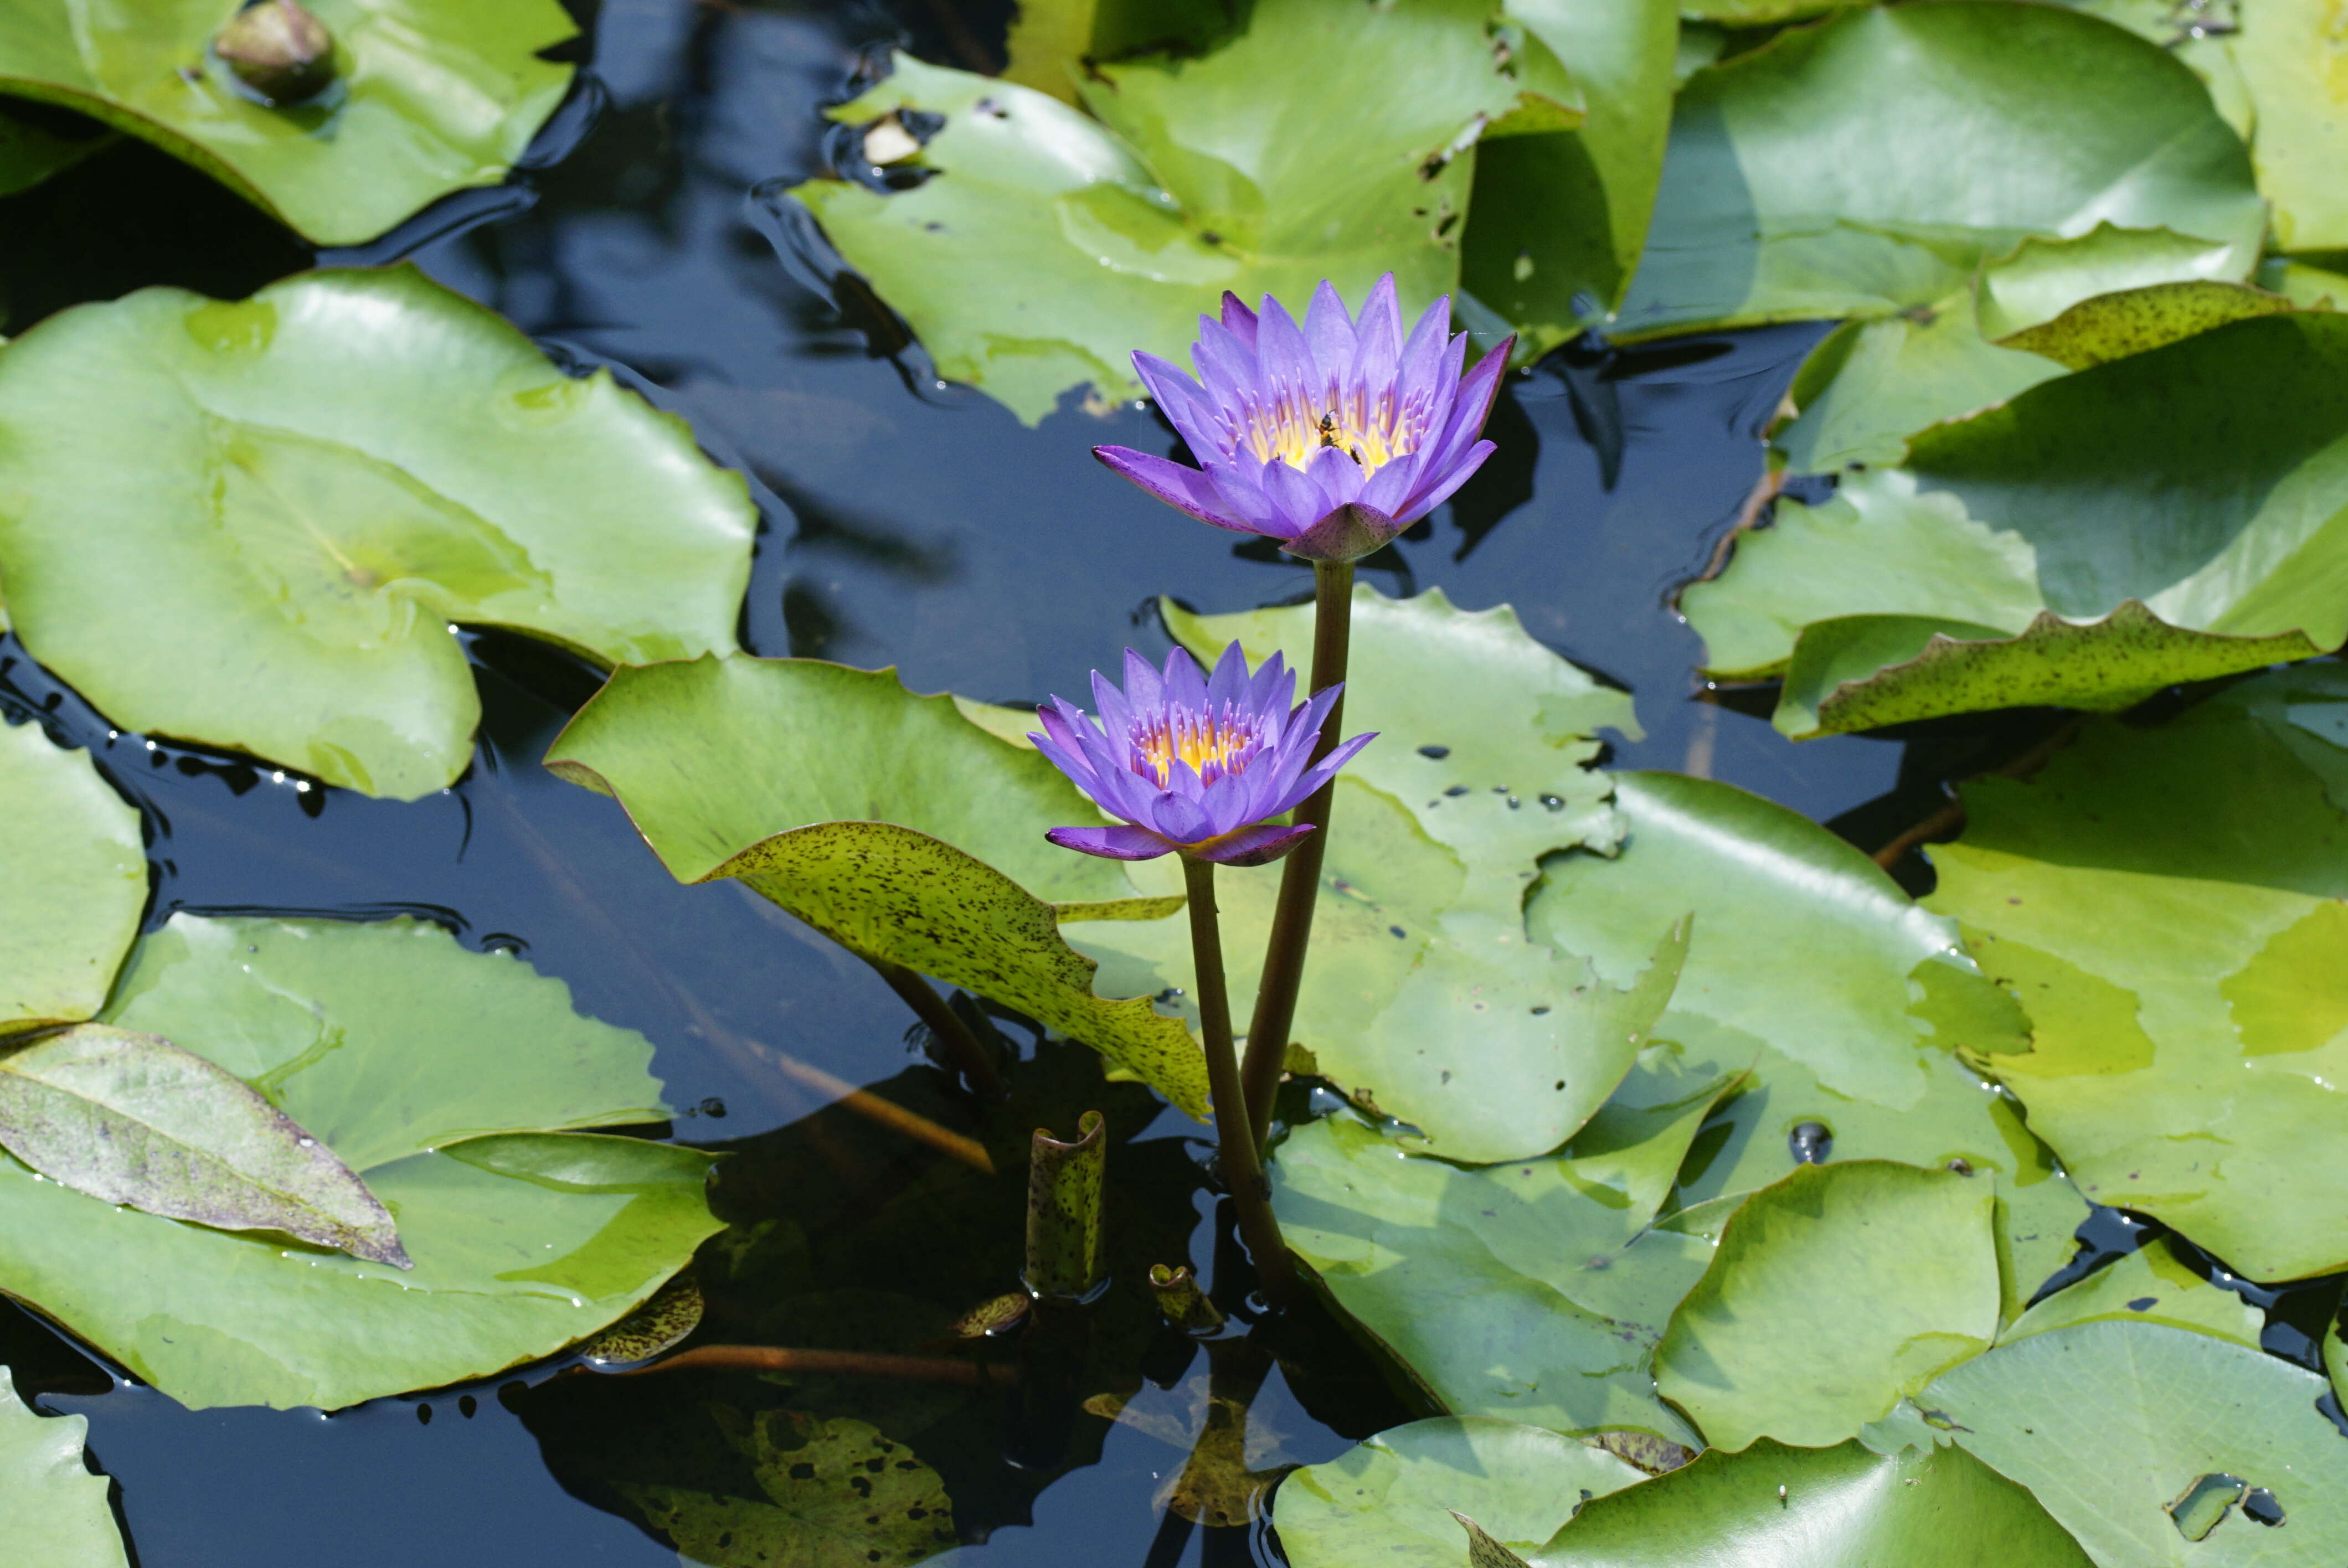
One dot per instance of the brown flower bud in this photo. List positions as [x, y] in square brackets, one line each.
[279, 50]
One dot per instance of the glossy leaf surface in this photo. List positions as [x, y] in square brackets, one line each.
[1758, 1349]
[431, 95]
[2186, 1038]
[1051, 245]
[1777, 1507]
[2150, 1285]
[445, 1079]
[1479, 770]
[1390, 1499]
[132, 1119]
[2113, 1425]
[75, 884]
[1530, 1291]
[2166, 516]
[52, 1510]
[252, 524]
[1811, 178]
[1559, 217]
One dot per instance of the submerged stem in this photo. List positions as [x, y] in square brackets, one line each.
[1234, 1135]
[1299, 877]
[953, 1036]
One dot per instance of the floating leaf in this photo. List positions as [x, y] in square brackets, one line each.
[52, 1510]
[1812, 177]
[251, 525]
[1389, 1501]
[2276, 69]
[887, 821]
[2149, 1286]
[1845, 1001]
[1760, 879]
[2201, 480]
[430, 96]
[838, 1494]
[1842, 1507]
[1761, 1349]
[1559, 219]
[1049, 246]
[1531, 1291]
[2188, 1041]
[1051, 41]
[2022, 319]
[133, 1119]
[2113, 1425]
[1419, 938]
[76, 882]
[441, 1077]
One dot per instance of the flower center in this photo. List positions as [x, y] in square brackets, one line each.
[1212, 747]
[1296, 428]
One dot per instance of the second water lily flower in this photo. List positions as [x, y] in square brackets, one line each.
[1194, 763]
[1332, 437]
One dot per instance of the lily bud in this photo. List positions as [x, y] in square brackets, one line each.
[279, 50]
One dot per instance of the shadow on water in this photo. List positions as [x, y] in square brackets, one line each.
[929, 531]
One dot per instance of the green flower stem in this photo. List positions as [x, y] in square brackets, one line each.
[1234, 1137]
[1299, 877]
[952, 1035]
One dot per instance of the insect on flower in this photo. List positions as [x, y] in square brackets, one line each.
[1332, 437]
[1194, 762]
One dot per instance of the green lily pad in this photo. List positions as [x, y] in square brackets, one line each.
[52, 1510]
[430, 96]
[251, 525]
[1558, 220]
[890, 822]
[1051, 41]
[1822, 1508]
[2149, 1285]
[2021, 319]
[2162, 517]
[1764, 883]
[1050, 245]
[838, 1494]
[2279, 72]
[1762, 1348]
[1531, 1291]
[447, 1079]
[1389, 1499]
[2113, 1425]
[2187, 1044]
[1420, 938]
[1811, 178]
[1845, 1002]
[76, 886]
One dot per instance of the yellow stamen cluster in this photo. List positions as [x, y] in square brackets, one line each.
[1296, 428]
[1196, 741]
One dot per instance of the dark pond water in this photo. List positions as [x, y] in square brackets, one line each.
[905, 524]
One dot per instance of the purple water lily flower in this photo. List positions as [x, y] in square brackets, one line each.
[1333, 437]
[1194, 762]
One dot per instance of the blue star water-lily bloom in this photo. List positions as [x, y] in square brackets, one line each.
[1194, 762]
[1332, 437]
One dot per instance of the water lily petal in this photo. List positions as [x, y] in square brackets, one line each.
[1179, 817]
[1240, 321]
[1227, 688]
[1185, 489]
[1121, 841]
[1200, 419]
[1254, 845]
[1143, 689]
[1186, 683]
[1329, 332]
